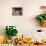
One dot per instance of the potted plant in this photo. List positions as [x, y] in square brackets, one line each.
[42, 17]
[10, 31]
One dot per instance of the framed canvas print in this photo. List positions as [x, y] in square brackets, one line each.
[17, 11]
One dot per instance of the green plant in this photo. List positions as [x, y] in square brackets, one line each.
[41, 17]
[11, 31]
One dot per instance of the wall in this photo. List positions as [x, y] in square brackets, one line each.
[25, 24]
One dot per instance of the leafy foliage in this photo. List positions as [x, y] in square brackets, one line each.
[41, 17]
[11, 31]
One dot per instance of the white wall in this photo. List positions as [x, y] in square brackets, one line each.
[25, 24]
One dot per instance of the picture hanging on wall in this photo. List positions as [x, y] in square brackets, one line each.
[17, 11]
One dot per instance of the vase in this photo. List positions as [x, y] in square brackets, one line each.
[13, 38]
[9, 41]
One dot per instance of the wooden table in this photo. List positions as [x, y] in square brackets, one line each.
[25, 44]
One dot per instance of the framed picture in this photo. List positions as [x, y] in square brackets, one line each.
[17, 11]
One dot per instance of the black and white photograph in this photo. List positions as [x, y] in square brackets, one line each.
[17, 11]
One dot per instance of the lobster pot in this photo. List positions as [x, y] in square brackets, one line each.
[43, 23]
